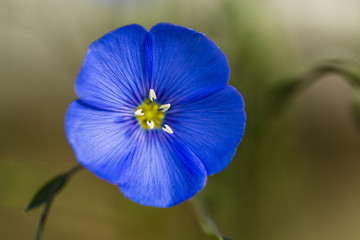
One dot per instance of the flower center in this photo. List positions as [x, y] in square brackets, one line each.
[150, 114]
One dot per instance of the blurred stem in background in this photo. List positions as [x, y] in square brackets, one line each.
[284, 90]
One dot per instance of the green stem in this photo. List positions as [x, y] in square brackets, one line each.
[207, 224]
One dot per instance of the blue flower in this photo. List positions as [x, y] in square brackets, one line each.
[155, 115]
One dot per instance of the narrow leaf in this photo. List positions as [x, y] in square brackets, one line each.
[46, 191]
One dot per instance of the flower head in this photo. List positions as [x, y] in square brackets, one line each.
[155, 115]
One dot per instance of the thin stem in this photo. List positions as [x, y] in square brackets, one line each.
[43, 219]
[73, 170]
[208, 225]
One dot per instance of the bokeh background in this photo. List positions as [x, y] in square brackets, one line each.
[295, 175]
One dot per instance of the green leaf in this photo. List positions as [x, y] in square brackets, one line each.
[47, 191]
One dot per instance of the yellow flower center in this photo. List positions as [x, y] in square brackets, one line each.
[150, 114]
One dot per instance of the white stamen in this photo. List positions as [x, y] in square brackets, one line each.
[150, 124]
[139, 112]
[152, 95]
[167, 129]
[164, 107]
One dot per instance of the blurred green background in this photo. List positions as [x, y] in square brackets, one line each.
[294, 177]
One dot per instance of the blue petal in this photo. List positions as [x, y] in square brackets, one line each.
[211, 127]
[112, 74]
[180, 61]
[103, 141]
[163, 173]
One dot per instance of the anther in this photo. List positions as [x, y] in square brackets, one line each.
[152, 95]
[167, 129]
[150, 124]
[139, 112]
[164, 107]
